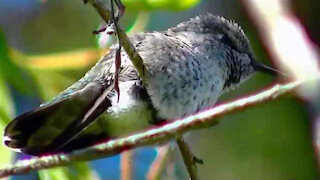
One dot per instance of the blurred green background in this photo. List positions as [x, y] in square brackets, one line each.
[45, 46]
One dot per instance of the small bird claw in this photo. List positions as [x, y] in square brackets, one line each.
[109, 29]
[197, 160]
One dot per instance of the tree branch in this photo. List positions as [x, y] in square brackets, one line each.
[151, 137]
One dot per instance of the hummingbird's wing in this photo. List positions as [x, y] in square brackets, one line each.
[52, 125]
[62, 124]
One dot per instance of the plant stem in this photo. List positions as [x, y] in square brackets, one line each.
[188, 158]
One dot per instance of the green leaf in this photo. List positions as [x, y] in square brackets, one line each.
[6, 104]
[153, 5]
[6, 110]
[54, 174]
[54, 72]
[57, 61]
[81, 171]
[5, 153]
[50, 83]
[77, 171]
[10, 71]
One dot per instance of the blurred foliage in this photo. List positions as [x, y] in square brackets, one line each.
[6, 105]
[6, 109]
[53, 72]
[79, 171]
[10, 71]
[308, 11]
[155, 5]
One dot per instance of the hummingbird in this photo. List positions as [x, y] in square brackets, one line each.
[188, 67]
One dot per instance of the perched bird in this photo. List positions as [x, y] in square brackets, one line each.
[189, 66]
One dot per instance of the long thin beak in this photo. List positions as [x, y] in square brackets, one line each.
[266, 69]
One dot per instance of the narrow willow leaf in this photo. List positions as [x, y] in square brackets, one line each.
[50, 83]
[57, 61]
[153, 5]
[54, 72]
[11, 72]
[81, 171]
[77, 171]
[6, 104]
[60, 173]
[6, 110]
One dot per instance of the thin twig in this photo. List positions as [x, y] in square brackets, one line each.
[159, 163]
[150, 137]
[188, 158]
[126, 165]
[133, 55]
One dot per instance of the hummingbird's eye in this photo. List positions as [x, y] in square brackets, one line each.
[227, 41]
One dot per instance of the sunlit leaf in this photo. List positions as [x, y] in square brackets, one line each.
[54, 72]
[81, 171]
[5, 153]
[78, 171]
[54, 174]
[6, 109]
[6, 104]
[50, 83]
[57, 61]
[152, 5]
[4, 117]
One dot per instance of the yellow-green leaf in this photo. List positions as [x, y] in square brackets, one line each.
[10, 71]
[6, 110]
[152, 5]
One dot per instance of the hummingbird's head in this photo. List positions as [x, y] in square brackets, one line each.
[230, 36]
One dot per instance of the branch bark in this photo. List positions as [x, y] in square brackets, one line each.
[151, 137]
